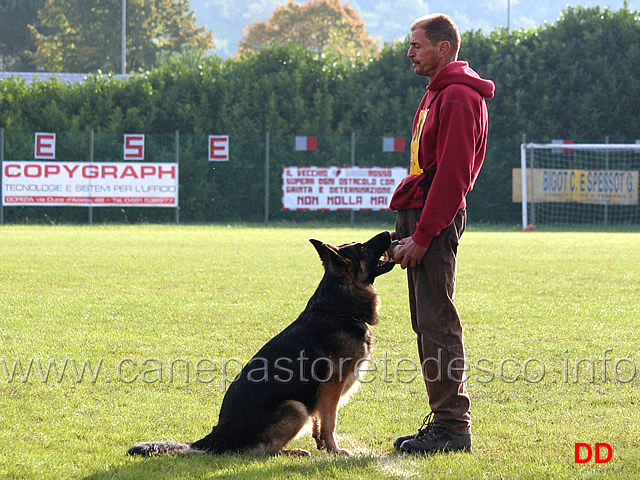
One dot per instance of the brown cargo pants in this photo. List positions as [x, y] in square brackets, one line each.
[435, 319]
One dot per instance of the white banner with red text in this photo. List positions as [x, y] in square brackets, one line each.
[83, 184]
[339, 188]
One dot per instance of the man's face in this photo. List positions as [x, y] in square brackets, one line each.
[423, 54]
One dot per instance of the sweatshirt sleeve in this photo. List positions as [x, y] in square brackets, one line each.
[455, 156]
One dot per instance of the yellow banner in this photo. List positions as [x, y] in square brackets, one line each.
[601, 187]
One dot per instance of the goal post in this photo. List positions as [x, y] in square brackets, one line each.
[578, 184]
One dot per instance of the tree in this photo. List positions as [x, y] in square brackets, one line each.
[15, 38]
[86, 36]
[189, 56]
[318, 25]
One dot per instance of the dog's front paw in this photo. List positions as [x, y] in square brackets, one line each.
[342, 451]
[301, 452]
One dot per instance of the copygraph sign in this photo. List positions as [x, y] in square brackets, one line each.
[83, 184]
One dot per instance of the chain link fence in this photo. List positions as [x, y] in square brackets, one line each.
[247, 187]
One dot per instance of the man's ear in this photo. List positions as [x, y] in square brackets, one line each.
[444, 49]
[329, 254]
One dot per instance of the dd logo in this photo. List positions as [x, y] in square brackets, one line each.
[585, 449]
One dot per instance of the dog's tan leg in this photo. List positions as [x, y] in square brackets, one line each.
[316, 431]
[327, 411]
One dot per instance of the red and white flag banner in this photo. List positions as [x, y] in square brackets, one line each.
[393, 144]
[306, 144]
[560, 141]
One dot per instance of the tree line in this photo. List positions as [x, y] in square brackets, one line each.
[80, 37]
[577, 79]
[71, 36]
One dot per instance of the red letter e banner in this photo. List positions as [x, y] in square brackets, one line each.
[218, 148]
[45, 146]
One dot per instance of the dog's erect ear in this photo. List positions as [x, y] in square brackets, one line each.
[328, 254]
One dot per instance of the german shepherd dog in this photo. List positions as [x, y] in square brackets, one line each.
[307, 369]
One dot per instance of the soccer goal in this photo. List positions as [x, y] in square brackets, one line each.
[578, 184]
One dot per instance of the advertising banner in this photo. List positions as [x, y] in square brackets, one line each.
[600, 187]
[218, 148]
[339, 188]
[84, 184]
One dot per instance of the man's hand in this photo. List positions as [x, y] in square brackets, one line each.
[409, 253]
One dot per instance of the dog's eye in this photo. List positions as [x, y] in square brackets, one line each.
[363, 248]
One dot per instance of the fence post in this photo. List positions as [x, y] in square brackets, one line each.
[353, 164]
[177, 157]
[266, 178]
[523, 181]
[606, 205]
[2, 174]
[91, 158]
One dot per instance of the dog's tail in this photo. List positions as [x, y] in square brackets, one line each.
[209, 444]
[152, 449]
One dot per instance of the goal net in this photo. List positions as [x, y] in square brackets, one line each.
[578, 184]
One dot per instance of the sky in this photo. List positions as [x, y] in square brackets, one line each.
[388, 20]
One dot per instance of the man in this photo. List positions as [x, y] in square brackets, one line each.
[447, 150]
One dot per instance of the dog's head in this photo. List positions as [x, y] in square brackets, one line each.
[361, 262]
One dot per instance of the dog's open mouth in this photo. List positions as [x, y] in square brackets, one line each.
[384, 265]
[385, 262]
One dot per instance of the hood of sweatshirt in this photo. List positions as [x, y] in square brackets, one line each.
[461, 73]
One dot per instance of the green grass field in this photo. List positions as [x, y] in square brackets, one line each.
[111, 335]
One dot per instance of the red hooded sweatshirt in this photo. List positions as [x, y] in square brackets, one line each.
[454, 140]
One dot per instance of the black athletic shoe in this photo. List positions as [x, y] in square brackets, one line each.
[437, 440]
[427, 423]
